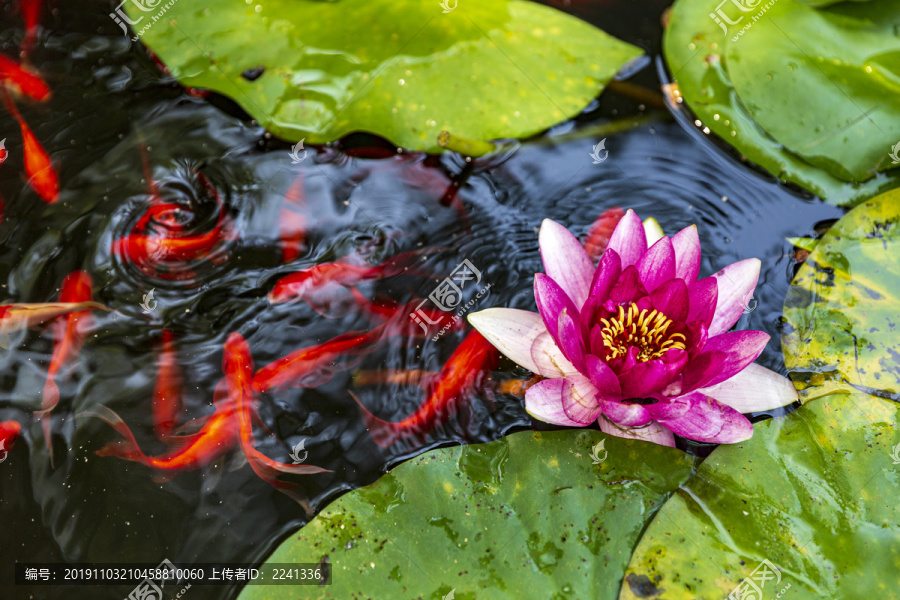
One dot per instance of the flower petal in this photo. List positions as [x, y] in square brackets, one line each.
[543, 401]
[644, 379]
[710, 421]
[579, 399]
[603, 378]
[625, 414]
[628, 239]
[568, 338]
[653, 432]
[554, 304]
[668, 409]
[629, 287]
[512, 332]
[687, 254]
[652, 230]
[736, 284]
[565, 261]
[549, 359]
[605, 277]
[754, 389]
[672, 299]
[704, 295]
[723, 357]
[657, 265]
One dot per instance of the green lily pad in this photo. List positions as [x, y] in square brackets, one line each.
[813, 493]
[527, 516]
[402, 69]
[698, 52]
[821, 87]
[843, 307]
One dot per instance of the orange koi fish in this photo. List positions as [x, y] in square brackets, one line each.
[292, 222]
[597, 237]
[22, 80]
[42, 176]
[167, 392]
[314, 284]
[217, 437]
[68, 336]
[237, 363]
[384, 309]
[312, 366]
[459, 378]
[31, 12]
[9, 433]
[144, 249]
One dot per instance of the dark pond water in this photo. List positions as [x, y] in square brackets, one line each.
[109, 100]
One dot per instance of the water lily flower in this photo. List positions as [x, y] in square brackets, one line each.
[638, 343]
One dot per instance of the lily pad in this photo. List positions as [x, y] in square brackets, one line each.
[842, 307]
[700, 52]
[402, 69]
[527, 516]
[814, 494]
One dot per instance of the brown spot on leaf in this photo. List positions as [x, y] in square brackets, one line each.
[642, 587]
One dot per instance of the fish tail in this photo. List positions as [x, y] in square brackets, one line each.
[127, 448]
[384, 433]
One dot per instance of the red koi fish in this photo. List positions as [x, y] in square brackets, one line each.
[167, 392]
[9, 433]
[31, 12]
[144, 249]
[22, 80]
[42, 176]
[318, 284]
[292, 222]
[312, 366]
[597, 237]
[459, 378]
[68, 336]
[159, 211]
[217, 437]
[237, 363]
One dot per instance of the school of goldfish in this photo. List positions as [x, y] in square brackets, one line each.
[160, 247]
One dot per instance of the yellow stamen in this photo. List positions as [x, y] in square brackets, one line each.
[645, 329]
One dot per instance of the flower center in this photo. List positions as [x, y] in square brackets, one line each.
[645, 329]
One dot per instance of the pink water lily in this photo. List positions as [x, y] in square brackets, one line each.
[638, 343]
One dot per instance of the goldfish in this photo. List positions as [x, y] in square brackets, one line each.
[68, 336]
[31, 12]
[459, 378]
[14, 317]
[292, 222]
[237, 364]
[144, 249]
[9, 433]
[312, 366]
[597, 237]
[318, 284]
[22, 80]
[217, 437]
[167, 391]
[42, 176]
